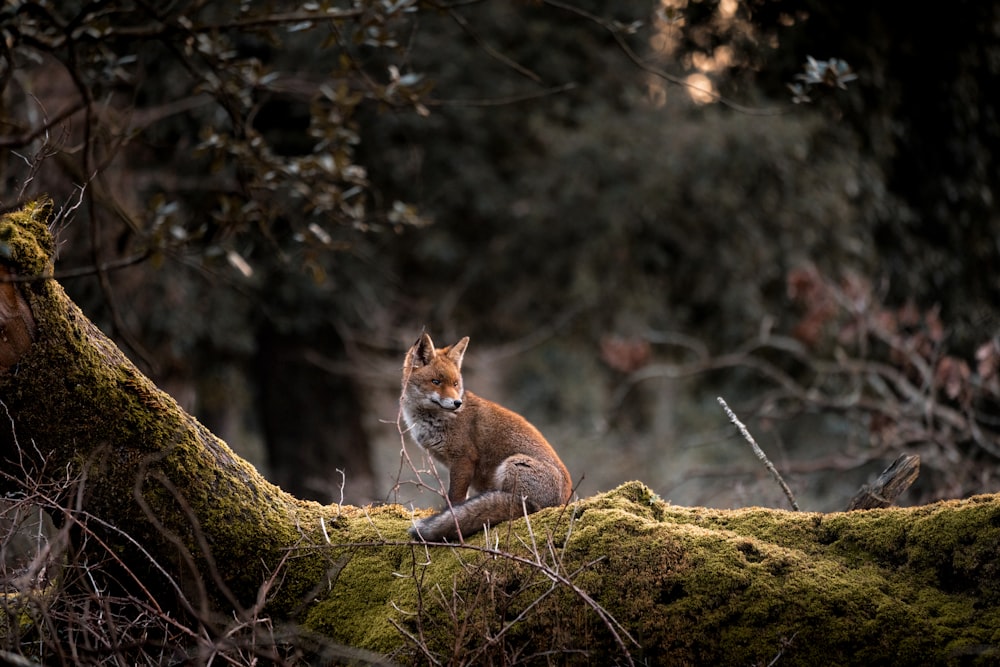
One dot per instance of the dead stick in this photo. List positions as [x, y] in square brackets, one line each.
[759, 452]
[890, 484]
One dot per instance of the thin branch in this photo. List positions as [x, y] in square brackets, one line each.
[617, 33]
[490, 51]
[82, 271]
[47, 124]
[760, 453]
[501, 101]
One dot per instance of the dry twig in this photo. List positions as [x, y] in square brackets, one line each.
[893, 481]
[760, 453]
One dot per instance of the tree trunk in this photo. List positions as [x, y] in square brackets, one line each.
[312, 420]
[619, 577]
[173, 490]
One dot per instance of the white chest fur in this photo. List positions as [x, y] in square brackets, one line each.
[426, 426]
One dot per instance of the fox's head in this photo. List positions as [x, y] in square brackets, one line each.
[434, 376]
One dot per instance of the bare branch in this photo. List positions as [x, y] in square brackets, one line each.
[617, 33]
[760, 453]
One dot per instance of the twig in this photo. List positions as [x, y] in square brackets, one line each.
[463, 23]
[618, 36]
[622, 637]
[760, 453]
[442, 488]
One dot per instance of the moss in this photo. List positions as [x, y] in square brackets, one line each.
[25, 243]
[956, 543]
[370, 582]
[689, 585]
[695, 586]
[79, 400]
[361, 601]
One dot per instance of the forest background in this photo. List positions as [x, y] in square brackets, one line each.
[632, 208]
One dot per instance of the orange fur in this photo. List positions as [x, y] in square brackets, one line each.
[491, 452]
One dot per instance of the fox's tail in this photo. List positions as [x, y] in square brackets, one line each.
[470, 516]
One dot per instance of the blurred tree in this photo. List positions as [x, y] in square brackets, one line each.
[220, 146]
[211, 149]
[255, 176]
[511, 82]
[922, 110]
[618, 200]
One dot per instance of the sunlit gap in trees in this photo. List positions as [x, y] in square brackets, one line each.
[699, 86]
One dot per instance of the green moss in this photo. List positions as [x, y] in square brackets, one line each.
[697, 586]
[147, 467]
[25, 243]
[956, 543]
[371, 582]
[689, 585]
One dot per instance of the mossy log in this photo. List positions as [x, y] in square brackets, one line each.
[618, 577]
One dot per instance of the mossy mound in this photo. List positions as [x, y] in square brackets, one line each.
[25, 242]
[688, 585]
[616, 576]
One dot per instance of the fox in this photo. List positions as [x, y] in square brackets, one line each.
[492, 453]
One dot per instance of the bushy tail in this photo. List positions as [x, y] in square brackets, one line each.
[470, 516]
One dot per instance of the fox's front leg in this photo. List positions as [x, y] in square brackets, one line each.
[460, 478]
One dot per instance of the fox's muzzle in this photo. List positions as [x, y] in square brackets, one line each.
[449, 403]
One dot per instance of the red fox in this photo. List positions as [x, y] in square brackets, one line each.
[488, 449]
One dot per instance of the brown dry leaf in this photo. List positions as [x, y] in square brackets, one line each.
[625, 354]
[988, 359]
[935, 327]
[952, 375]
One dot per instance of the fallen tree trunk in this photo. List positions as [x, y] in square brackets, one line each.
[79, 408]
[619, 577]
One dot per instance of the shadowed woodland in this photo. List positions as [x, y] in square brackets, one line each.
[631, 209]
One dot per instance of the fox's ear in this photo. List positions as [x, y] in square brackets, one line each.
[422, 351]
[457, 351]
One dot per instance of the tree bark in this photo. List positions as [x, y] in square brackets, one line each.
[619, 577]
[891, 484]
[79, 408]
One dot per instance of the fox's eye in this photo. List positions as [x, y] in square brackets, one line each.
[456, 384]
[435, 381]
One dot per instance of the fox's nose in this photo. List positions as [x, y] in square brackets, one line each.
[457, 403]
